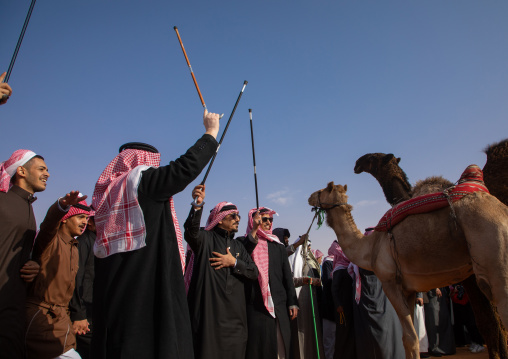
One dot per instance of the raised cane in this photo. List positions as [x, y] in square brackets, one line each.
[191, 72]
[254, 158]
[220, 142]
[18, 45]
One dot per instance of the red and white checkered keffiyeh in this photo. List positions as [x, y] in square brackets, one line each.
[213, 219]
[76, 210]
[260, 257]
[354, 272]
[8, 168]
[340, 261]
[216, 215]
[317, 253]
[118, 216]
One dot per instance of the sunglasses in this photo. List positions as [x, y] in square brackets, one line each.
[267, 219]
[233, 216]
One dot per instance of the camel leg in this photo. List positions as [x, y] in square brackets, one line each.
[486, 233]
[487, 320]
[405, 312]
[411, 302]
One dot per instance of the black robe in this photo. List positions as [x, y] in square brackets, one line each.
[217, 297]
[17, 233]
[262, 341]
[343, 296]
[139, 304]
[80, 306]
[438, 323]
[327, 309]
[377, 327]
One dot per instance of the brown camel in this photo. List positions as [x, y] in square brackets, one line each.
[393, 180]
[495, 171]
[385, 168]
[427, 251]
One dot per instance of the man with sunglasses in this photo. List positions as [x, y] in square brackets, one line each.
[271, 300]
[215, 279]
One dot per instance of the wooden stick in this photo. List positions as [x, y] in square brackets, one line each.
[190, 68]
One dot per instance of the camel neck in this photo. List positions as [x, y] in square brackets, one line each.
[395, 189]
[356, 246]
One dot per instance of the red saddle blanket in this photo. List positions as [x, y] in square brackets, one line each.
[470, 181]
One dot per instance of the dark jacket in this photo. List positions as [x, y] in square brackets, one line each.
[217, 297]
[139, 307]
[262, 342]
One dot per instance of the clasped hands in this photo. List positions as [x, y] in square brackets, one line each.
[81, 327]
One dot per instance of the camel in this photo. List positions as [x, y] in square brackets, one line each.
[395, 184]
[427, 251]
[495, 171]
[396, 187]
[393, 180]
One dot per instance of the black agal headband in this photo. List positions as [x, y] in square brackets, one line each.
[138, 146]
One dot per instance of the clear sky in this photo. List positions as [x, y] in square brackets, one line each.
[329, 81]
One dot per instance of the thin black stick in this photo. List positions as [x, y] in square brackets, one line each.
[254, 158]
[18, 45]
[221, 139]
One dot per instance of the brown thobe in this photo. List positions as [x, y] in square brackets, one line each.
[49, 328]
[17, 232]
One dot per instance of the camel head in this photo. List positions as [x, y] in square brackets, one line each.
[372, 162]
[329, 197]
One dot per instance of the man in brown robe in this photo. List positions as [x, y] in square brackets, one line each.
[49, 331]
[23, 174]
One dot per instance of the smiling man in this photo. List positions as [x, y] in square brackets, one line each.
[49, 332]
[23, 174]
[220, 268]
[271, 300]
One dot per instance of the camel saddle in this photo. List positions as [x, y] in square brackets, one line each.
[470, 181]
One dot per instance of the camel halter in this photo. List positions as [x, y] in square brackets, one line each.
[320, 210]
[320, 207]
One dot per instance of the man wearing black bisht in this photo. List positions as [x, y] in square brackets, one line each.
[139, 305]
[271, 300]
[219, 268]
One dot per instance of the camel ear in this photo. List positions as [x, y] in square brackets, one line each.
[345, 188]
[398, 160]
[388, 157]
[330, 186]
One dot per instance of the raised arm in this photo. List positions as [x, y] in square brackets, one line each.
[163, 182]
[5, 89]
[51, 223]
[193, 221]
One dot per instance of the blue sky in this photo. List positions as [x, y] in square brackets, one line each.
[328, 82]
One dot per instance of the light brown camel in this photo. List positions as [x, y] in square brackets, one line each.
[427, 251]
[395, 184]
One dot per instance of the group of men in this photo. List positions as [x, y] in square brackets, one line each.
[235, 299]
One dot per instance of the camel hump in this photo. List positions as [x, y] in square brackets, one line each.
[470, 181]
[430, 185]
